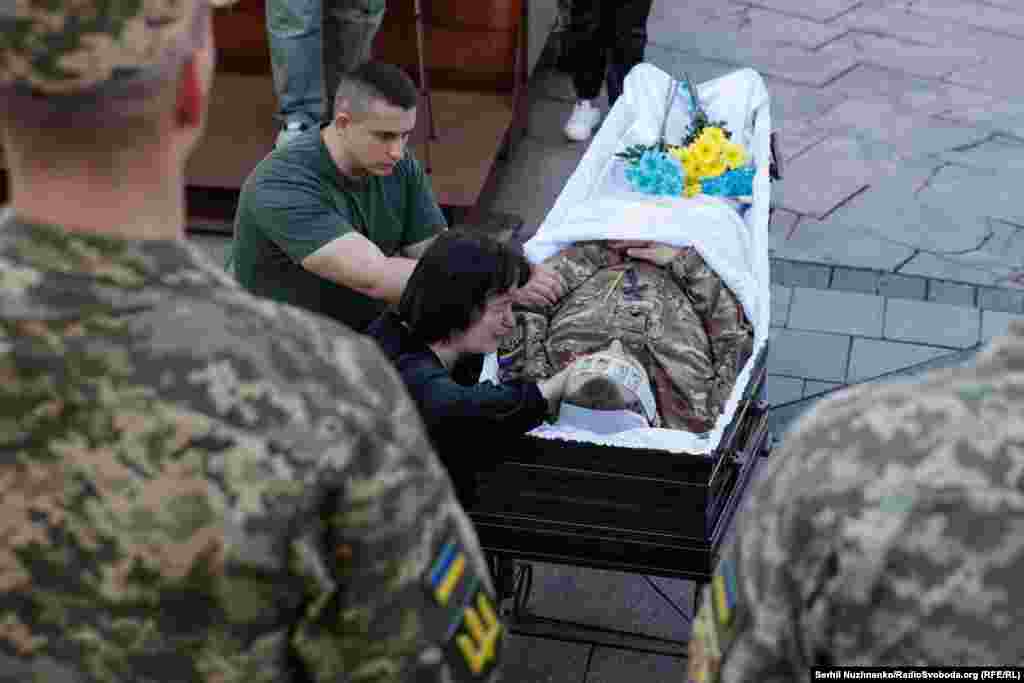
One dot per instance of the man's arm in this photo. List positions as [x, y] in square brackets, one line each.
[564, 272]
[357, 263]
[416, 251]
[393, 571]
[729, 331]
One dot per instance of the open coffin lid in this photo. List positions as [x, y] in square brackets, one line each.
[597, 203]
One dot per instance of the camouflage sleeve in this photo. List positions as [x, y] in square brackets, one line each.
[397, 587]
[576, 264]
[749, 622]
[523, 354]
[729, 331]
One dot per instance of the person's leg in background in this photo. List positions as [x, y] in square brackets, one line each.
[296, 57]
[587, 58]
[349, 29]
[628, 40]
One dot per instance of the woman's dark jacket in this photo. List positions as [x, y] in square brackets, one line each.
[464, 420]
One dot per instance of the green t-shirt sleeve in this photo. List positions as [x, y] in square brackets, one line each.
[425, 216]
[292, 211]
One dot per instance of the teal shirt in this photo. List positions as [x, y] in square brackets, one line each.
[296, 201]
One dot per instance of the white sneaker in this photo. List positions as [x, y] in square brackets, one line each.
[585, 117]
[291, 131]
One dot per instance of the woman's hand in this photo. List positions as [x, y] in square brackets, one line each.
[553, 388]
[544, 288]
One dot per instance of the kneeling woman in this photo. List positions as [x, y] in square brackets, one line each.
[457, 303]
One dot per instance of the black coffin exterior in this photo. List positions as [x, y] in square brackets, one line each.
[634, 510]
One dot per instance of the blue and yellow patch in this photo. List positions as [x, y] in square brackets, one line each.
[474, 631]
[713, 626]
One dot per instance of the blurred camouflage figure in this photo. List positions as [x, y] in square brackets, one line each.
[195, 484]
[667, 308]
[888, 531]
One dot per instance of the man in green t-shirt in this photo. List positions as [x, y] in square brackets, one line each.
[334, 221]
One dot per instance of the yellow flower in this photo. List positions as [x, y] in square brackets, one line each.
[715, 169]
[691, 189]
[692, 167]
[714, 134]
[734, 154]
[705, 150]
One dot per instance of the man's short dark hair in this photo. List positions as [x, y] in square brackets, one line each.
[374, 81]
[453, 280]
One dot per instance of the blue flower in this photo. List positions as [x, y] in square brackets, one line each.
[738, 182]
[656, 173]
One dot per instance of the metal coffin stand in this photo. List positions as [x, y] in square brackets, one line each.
[634, 510]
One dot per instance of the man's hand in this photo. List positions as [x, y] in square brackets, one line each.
[654, 252]
[544, 288]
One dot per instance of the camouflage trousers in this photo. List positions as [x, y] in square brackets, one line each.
[312, 43]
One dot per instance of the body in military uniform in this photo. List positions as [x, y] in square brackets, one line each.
[196, 485]
[678, 320]
[889, 531]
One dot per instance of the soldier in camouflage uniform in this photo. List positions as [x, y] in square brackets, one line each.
[195, 484]
[668, 309]
[889, 531]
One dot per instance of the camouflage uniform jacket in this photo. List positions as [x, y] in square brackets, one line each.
[198, 485]
[680, 321]
[889, 531]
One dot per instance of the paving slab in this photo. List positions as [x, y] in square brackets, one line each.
[540, 660]
[812, 355]
[1000, 78]
[926, 322]
[792, 274]
[927, 61]
[1005, 300]
[825, 176]
[828, 310]
[932, 266]
[780, 298]
[890, 212]
[781, 221]
[899, 23]
[995, 19]
[873, 357]
[812, 388]
[820, 10]
[792, 102]
[833, 241]
[997, 153]
[780, 389]
[996, 323]
[676, 61]
[794, 138]
[610, 665]
[607, 599]
[897, 286]
[995, 194]
[955, 293]
[855, 280]
[775, 27]
[918, 94]
[999, 114]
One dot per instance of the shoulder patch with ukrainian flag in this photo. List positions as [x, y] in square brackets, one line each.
[474, 631]
[714, 626]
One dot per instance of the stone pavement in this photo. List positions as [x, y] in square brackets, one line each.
[895, 241]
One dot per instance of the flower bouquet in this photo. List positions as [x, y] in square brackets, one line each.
[706, 161]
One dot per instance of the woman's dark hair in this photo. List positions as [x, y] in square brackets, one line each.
[449, 287]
